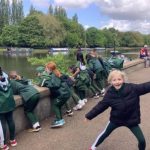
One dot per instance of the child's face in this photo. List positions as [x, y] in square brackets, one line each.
[117, 81]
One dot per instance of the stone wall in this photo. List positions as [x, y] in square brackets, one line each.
[43, 109]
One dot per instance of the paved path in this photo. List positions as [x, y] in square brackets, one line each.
[78, 135]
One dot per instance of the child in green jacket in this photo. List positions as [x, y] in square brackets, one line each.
[60, 92]
[42, 75]
[97, 68]
[30, 97]
[7, 105]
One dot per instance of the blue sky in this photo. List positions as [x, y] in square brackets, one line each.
[124, 15]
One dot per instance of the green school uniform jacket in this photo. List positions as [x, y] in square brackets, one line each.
[95, 65]
[7, 102]
[59, 89]
[25, 91]
[40, 79]
[82, 80]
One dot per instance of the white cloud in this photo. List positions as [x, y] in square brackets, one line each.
[125, 9]
[40, 3]
[125, 25]
[124, 15]
[74, 3]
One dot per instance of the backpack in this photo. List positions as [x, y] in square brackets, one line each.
[67, 79]
[116, 62]
[142, 52]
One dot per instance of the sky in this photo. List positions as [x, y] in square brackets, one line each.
[123, 15]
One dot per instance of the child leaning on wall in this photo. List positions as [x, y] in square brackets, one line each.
[41, 76]
[30, 97]
[7, 106]
[95, 66]
[60, 92]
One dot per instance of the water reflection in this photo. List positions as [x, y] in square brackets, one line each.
[19, 64]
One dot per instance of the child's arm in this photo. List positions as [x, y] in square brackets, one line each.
[142, 88]
[96, 110]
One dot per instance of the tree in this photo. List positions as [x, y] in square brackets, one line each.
[94, 37]
[72, 28]
[54, 32]
[10, 35]
[109, 37]
[31, 32]
[33, 11]
[4, 13]
[17, 11]
[75, 18]
[132, 39]
[50, 10]
[60, 12]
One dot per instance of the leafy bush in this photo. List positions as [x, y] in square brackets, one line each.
[62, 61]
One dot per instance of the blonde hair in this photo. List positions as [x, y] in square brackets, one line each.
[116, 72]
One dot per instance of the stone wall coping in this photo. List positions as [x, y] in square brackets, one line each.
[42, 90]
[132, 63]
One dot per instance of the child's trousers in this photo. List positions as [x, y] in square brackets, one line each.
[136, 130]
[57, 105]
[29, 107]
[7, 118]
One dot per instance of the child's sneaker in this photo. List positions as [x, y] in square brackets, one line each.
[81, 102]
[37, 129]
[58, 123]
[4, 147]
[13, 143]
[77, 107]
[69, 112]
[103, 91]
[85, 100]
[92, 148]
[96, 96]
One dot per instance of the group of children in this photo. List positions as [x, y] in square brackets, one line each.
[84, 76]
[87, 75]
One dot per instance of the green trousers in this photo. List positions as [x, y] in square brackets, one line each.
[94, 85]
[29, 107]
[74, 96]
[136, 130]
[56, 107]
[7, 119]
[100, 80]
[82, 94]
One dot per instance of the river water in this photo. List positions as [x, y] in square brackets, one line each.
[23, 67]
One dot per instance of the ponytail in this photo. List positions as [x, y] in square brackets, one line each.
[52, 66]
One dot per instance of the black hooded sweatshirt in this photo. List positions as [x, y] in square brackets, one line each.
[124, 104]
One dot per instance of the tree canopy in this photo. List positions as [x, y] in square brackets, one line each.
[55, 29]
